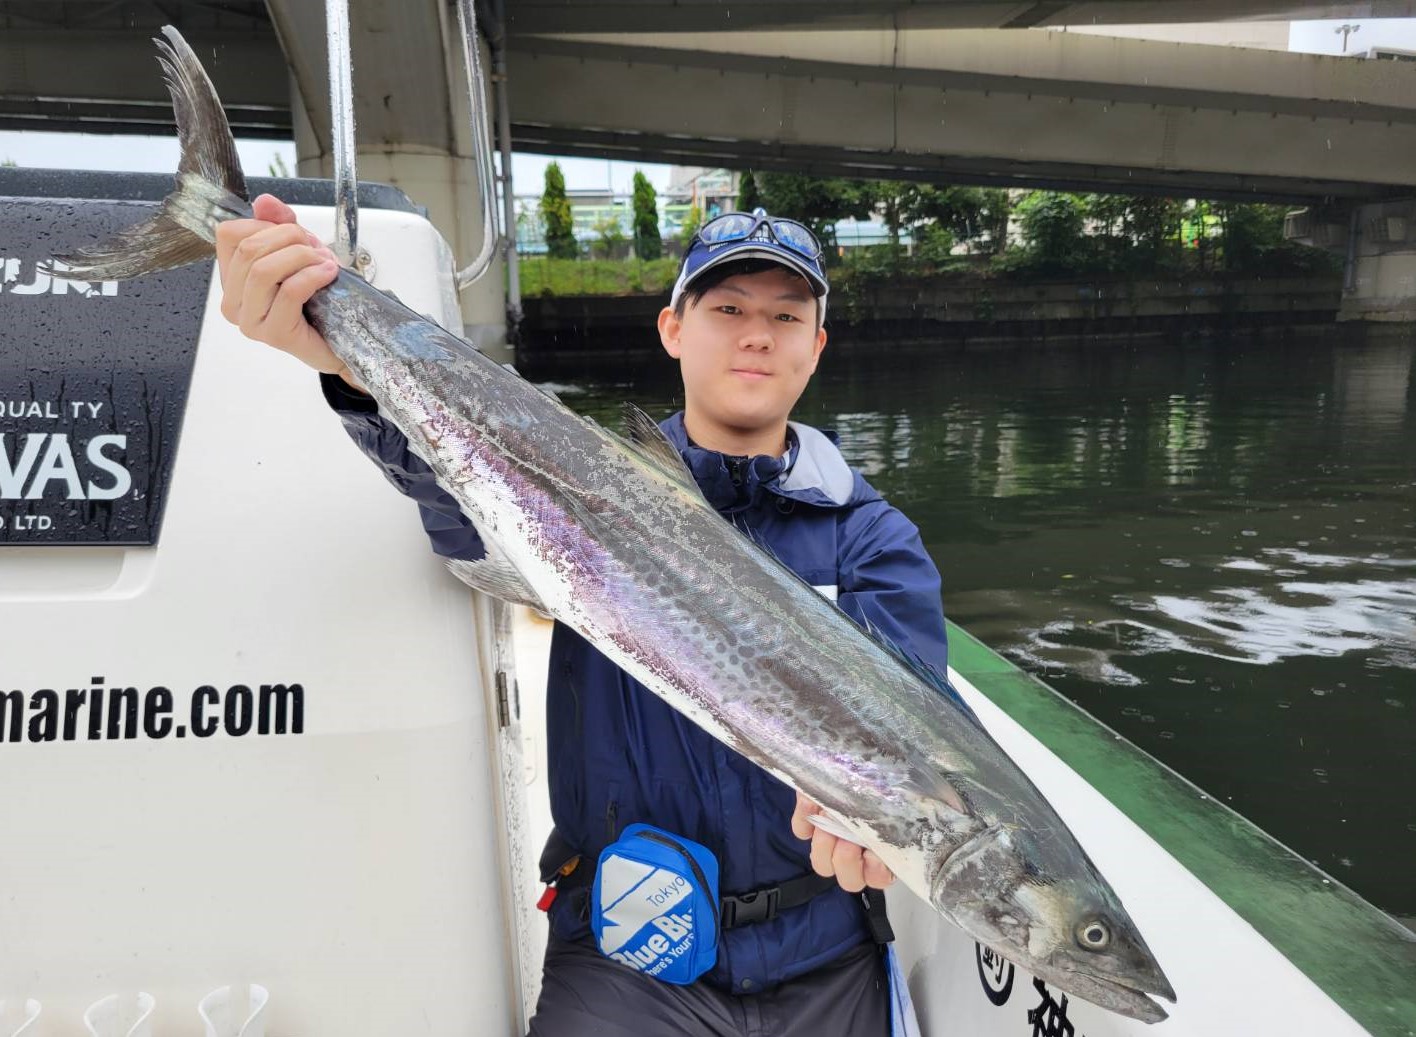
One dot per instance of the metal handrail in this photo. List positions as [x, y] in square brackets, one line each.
[503, 134]
[481, 145]
[341, 124]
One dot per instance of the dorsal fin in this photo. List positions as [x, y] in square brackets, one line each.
[650, 443]
[927, 672]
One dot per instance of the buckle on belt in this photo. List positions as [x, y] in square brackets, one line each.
[758, 906]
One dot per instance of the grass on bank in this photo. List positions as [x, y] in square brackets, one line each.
[864, 269]
[555, 277]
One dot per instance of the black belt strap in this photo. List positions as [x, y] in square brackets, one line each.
[875, 916]
[763, 905]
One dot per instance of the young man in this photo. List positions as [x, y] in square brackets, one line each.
[798, 955]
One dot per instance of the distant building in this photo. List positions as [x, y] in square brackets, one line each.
[714, 191]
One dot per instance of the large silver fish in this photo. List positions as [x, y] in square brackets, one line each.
[612, 537]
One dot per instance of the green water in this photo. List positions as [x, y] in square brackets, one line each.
[1211, 546]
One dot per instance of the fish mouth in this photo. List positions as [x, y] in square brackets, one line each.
[1133, 1000]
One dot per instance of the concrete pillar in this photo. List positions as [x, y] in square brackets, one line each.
[1381, 284]
[1384, 289]
[442, 180]
[1378, 242]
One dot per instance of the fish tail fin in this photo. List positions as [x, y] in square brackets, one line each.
[210, 185]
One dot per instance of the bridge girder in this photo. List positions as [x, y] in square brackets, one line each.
[536, 17]
[1020, 109]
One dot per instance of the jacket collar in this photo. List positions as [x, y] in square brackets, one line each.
[814, 471]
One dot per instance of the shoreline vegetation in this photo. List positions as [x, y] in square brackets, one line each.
[934, 235]
[865, 270]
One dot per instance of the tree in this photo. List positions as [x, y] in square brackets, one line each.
[749, 197]
[1051, 224]
[997, 208]
[1110, 244]
[1107, 213]
[691, 223]
[556, 217]
[647, 242]
[967, 213]
[1154, 225]
[1135, 228]
[817, 202]
[1250, 232]
[889, 198]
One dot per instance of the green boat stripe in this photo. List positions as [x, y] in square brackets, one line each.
[1359, 956]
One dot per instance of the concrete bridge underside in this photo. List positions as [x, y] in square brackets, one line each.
[905, 100]
[560, 16]
[983, 106]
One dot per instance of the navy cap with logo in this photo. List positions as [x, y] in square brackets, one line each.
[756, 235]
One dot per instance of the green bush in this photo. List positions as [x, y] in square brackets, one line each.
[611, 237]
[933, 246]
[691, 223]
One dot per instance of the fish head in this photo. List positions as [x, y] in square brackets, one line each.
[1067, 927]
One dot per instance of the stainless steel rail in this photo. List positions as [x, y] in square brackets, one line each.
[341, 121]
[481, 144]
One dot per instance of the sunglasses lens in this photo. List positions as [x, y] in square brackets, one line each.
[797, 237]
[732, 227]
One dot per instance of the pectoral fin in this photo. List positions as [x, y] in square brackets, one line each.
[832, 824]
[497, 577]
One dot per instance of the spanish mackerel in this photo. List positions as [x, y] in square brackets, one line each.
[612, 537]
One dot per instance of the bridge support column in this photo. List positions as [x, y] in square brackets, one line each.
[1378, 243]
[1381, 278]
[446, 183]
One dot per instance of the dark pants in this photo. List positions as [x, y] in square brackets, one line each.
[583, 992]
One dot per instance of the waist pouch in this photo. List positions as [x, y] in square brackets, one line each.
[654, 904]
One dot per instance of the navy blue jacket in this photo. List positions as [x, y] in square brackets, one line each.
[618, 754]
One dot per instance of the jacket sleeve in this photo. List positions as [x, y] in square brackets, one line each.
[889, 584]
[451, 532]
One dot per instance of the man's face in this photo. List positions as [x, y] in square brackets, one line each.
[746, 349]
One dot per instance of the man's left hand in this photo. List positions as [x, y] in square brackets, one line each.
[854, 866]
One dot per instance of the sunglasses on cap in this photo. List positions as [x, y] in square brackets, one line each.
[741, 226]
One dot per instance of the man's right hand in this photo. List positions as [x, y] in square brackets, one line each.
[270, 266]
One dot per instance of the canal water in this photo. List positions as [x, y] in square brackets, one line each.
[1209, 545]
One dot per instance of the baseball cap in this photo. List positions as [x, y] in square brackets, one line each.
[756, 235]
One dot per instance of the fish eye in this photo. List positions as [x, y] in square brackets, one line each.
[1094, 935]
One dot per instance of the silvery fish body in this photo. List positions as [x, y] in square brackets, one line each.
[612, 537]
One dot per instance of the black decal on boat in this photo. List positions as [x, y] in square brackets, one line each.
[94, 379]
[1049, 1019]
[996, 974]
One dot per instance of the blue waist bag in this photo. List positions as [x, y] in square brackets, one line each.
[654, 904]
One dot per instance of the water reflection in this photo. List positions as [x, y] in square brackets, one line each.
[1272, 621]
[1209, 545]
